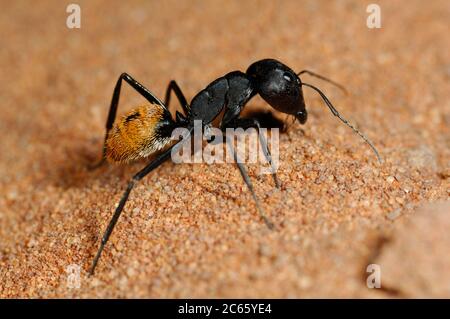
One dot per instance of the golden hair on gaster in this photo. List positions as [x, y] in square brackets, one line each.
[135, 134]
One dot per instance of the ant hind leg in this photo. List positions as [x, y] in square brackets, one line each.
[136, 178]
[173, 86]
[114, 104]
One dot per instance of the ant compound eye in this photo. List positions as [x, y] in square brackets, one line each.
[291, 78]
[288, 77]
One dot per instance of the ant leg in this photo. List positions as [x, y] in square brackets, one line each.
[249, 185]
[324, 79]
[136, 178]
[247, 123]
[115, 102]
[173, 86]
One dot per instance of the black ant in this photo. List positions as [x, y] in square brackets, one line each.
[147, 129]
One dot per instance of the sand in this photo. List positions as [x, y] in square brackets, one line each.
[192, 230]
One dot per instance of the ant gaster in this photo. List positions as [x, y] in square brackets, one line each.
[147, 129]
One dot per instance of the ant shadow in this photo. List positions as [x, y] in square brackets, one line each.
[267, 119]
[70, 165]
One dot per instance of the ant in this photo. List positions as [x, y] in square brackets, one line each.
[147, 129]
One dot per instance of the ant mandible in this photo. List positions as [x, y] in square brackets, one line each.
[147, 129]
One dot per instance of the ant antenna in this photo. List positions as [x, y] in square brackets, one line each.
[336, 113]
[341, 87]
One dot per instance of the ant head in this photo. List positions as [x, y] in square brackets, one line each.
[279, 86]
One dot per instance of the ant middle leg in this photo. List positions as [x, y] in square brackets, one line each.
[249, 184]
[115, 102]
[246, 123]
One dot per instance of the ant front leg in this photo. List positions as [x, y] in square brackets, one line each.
[245, 123]
[115, 102]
